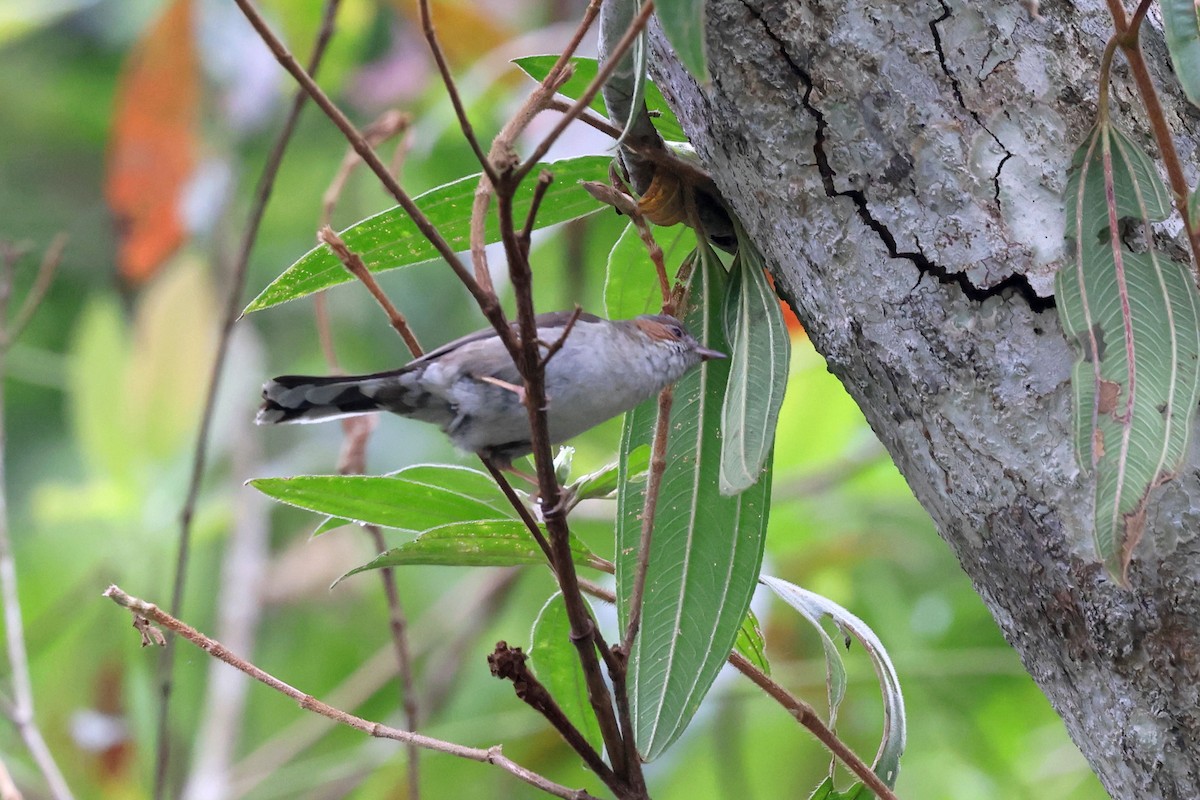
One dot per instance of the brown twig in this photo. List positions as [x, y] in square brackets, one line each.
[464, 122]
[510, 664]
[486, 299]
[802, 712]
[355, 266]
[390, 123]
[469, 611]
[1129, 42]
[585, 99]
[584, 631]
[658, 465]
[491, 755]
[556, 345]
[545, 178]
[22, 711]
[236, 282]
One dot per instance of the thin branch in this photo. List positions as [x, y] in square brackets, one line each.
[470, 610]
[355, 266]
[584, 100]
[587, 116]
[8, 789]
[801, 711]
[1130, 45]
[488, 303]
[807, 716]
[21, 711]
[464, 122]
[148, 611]
[584, 631]
[47, 269]
[556, 345]
[545, 178]
[658, 465]
[390, 123]
[511, 664]
[237, 281]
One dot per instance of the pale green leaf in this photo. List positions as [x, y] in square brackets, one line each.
[813, 607]
[555, 661]
[683, 23]
[760, 350]
[1134, 317]
[1180, 24]
[706, 549]
[391, 239]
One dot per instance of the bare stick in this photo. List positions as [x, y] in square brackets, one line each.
[510, 663]
[584, 100]
[557, 344]
[470, 610]
[237, 282]
[464, 122]
[545, 178]
[488, 303]
[1127, 32]
[21, 712]
[389, 124]
[658, 465]
[8, 789]
[41, 284]
[492, 755]
[355, 266]
[805, 714]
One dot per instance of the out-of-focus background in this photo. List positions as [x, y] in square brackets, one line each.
[160, 114]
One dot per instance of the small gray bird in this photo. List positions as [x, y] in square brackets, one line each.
[471, 388]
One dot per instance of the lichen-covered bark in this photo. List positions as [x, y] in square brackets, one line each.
[901, 165]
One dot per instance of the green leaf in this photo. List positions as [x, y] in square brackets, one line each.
[751, 644]
[555, 661]
[758, 361]
[414, 499]
[1180, 24]
[813, 607]
[1193, 207]
[826, 791]
[630, 285]
[683, 23]
[477, 543]
[662, 117]
[391, 239]
[1134, 318]
[706, 549]
[603, 482]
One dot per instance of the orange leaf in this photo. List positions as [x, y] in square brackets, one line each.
[794, 325]
[152, 152]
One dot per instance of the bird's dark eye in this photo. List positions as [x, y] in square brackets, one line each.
[676, 331]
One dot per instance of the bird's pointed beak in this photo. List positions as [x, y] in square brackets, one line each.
[708, 355]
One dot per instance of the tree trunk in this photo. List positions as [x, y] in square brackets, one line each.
[901, 166]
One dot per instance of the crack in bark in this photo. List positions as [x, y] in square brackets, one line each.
[956, 87]
[1015, 282]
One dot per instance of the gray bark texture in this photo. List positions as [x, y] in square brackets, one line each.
[901, 166]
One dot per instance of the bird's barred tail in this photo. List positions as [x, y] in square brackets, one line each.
[302, 398]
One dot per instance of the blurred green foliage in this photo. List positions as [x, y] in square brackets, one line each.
[104, 398]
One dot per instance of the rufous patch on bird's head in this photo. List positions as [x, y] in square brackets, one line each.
[661, 328]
